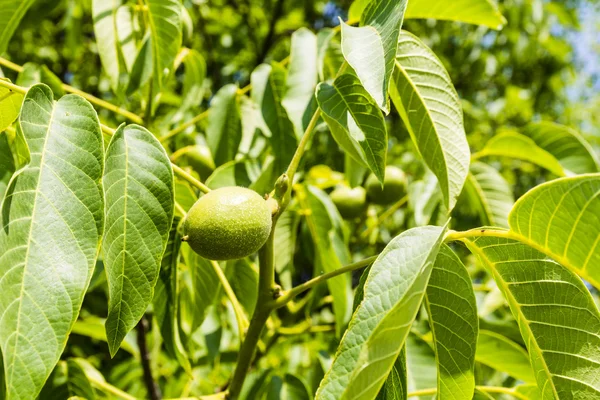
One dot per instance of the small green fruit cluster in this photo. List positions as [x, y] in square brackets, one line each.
[228, 223]
[352, 203]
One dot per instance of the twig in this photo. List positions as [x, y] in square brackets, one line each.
[151, 385]
[268, 42]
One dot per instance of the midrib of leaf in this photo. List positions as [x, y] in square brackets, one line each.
[115, 343]
[508, 295]
[26, 262]
[349, 108]
[422, 100]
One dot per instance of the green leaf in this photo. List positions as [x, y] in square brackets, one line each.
[243, 278]
[286, 232]
[51, 228]
[138, 188]
[268, 87]
[7, 167]
[487, 193]
[193, 80]
[141, 70]
[550, 304]
[421, 366]
[11, 13]
[164, 17]
[561, 218]
[514, 145]
[395, 386]
[224, 131]
[34, 73]
[371, 48]
[66, 381]
[324, 224]
[452, 310]
[104, 13]
[479, 12]
[126, 35]
[567, 145]
[423, 93]
[392, 297]
[301, 77]
[355, 121]
[93, 327]
[166, 299]
[288, 387]
[204, 283]
[10, 105]
[502, 354]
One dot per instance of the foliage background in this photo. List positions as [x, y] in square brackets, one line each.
[544, 65]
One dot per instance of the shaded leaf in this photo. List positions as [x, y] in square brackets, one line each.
[104, 14]
[452, 310]
[487, 193]
[423, 93]
[12, 11]
[393, 293]
[193, 80]
[395, 386]
[285, 246]
[52, 219]
[34, 73]
[324, 224]
[355, 121]
[502, 354]
[138, 188]
[166, 299]
[288, 387]
[141, 70]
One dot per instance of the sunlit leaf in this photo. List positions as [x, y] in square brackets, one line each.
[513, 144]
[429, 106]
[301, 77]
[34, 73]
[502, 354]
[52, 219]
[10, 105]
[138, 188]
[421, 366]
[550, 303]
[125, 32]
[371, 48]
[452, 313]
[561, 218]
[141, 70]
[355, 121]
[193, 80]
[11, 13]
[479, 12]
[68, 380]
[392, 296]
[224, 131]
[566, 144]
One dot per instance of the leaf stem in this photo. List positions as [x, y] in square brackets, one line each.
[151, 385]
[240, 315]
[11, 86]
[267, 290]
[183, 127]
[291, 170]
[189, 178]
[91, 98]
[486, 389]
[393, 208]
[290, 294]
[108, 388]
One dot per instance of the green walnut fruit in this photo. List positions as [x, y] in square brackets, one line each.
[351, 203]
[228, 223]
[394, 186]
